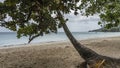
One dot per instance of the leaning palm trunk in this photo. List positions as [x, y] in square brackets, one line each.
[92, 59]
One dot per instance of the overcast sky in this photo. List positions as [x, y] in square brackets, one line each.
[76, 23]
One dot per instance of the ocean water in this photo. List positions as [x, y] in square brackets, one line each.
[9, 38]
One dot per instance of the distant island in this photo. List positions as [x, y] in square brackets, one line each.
[113, 29]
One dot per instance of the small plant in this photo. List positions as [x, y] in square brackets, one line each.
[98, 64]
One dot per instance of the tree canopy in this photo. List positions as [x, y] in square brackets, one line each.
[35, 18]
[108, 11]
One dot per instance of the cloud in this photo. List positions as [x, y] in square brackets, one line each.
[82, 23]
[2, 29]
[76, 23]
[1, 0]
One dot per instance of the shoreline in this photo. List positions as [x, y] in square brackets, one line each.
[56, 54]
[52, 42]
[79, 35]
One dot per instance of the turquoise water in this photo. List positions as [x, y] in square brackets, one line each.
[9, 38]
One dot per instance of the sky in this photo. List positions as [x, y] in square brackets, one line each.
[76, 23]
[82, 23]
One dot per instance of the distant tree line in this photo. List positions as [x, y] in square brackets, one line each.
[103, 29]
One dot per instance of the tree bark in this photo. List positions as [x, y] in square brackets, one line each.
[92, 59]
[83, 51]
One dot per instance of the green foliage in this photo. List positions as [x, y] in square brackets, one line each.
[113, 29]
[35, 18]
[108, 10]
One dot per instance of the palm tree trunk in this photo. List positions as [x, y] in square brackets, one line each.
[83, 51]
[88, 54]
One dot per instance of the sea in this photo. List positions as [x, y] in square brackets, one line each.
[9, 38]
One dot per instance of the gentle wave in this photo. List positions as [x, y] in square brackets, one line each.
[9, 38]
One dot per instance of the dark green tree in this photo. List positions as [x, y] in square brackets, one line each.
[33, 18]
[108, 11]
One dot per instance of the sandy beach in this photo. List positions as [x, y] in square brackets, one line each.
[59, 54]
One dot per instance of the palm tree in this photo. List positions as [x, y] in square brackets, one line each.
[92, 59]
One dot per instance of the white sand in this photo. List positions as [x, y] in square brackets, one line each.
[55, 54]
